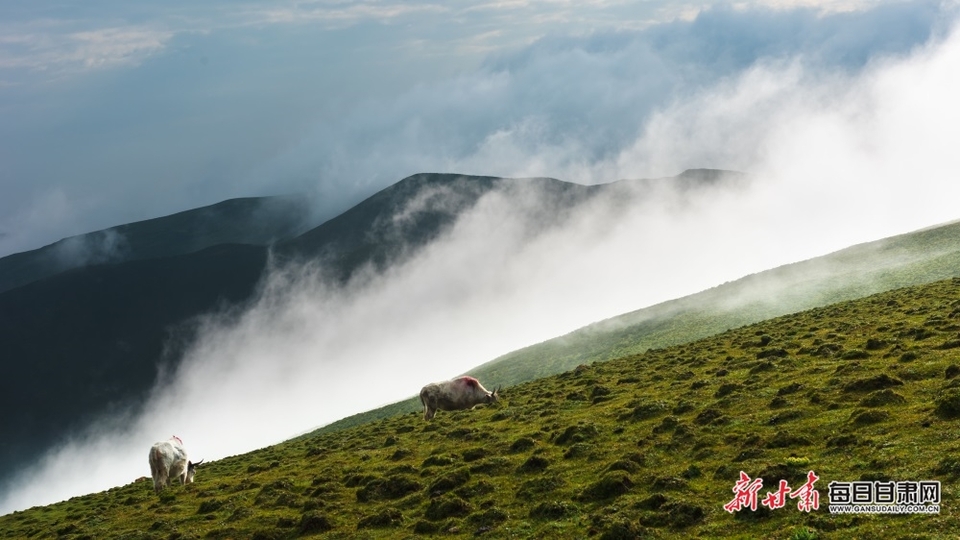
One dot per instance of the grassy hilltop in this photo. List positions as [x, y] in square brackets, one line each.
[647, 445]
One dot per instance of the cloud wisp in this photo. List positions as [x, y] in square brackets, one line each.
[835, 155]
[52, 50]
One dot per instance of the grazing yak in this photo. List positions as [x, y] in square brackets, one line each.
[454, 395]
[169, 460]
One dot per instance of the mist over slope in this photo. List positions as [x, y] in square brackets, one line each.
[105, 339]
[916, 258]
[919, 257]
[93, 340]
[642, 446]
[446, 277]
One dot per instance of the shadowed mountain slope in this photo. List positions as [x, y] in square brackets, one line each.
[257, 221]
[94, 339]
[642, 446]
[390, 224]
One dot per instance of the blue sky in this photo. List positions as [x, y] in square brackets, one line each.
[111, 113]
[844, 114]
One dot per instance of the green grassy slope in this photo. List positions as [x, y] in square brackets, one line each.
[911, 259]
[646, 445]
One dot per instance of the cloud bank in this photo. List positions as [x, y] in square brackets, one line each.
[111, 115]
[838, 150]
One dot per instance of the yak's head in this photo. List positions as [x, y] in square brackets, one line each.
[492, 397]
[192, 470]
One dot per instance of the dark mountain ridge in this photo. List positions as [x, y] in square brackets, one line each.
[368, 234]
[257, 221]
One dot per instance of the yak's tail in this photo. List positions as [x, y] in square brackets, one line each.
[158, 470]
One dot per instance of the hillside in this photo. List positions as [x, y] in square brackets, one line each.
[646, 445]
[910, 259]
[254, 220]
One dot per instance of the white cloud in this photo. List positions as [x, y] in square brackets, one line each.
[340, 14]
[860, 153]
[107, 47]
[393, 90]
[822, 6]
[47, 48]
